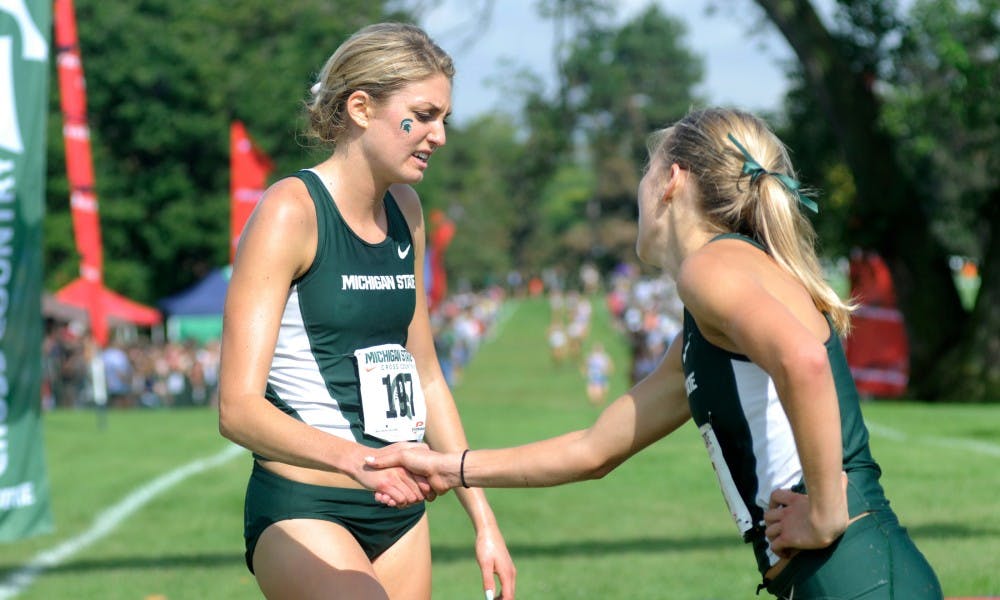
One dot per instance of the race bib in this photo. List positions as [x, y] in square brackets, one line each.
[737, 508]
[391, 396]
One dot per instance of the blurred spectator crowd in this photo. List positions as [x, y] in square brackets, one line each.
[645, 309]
[460, 325]
[650, 314]
[128, 373]
[137, 371]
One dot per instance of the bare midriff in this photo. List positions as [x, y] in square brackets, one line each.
[310, 476]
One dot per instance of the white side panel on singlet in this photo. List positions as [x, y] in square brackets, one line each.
[295, 375]
[777, 459]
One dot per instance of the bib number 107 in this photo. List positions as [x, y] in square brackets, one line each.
[399, 387]
[391, 397]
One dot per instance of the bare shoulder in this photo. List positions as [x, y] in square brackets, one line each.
[714, 270]
[715, 281]
[288, 201]
[408, 202]
[281, 233]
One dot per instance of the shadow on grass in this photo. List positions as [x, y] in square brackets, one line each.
[655, 545]
[955, 531]
[651, 545]
[185, 561]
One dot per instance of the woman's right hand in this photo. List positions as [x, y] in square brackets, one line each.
[395, 486]
[420, 462]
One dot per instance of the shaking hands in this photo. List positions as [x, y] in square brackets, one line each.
[434, 472]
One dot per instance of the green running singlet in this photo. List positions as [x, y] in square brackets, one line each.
[354, 295]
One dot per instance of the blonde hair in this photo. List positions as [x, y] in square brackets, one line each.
[379, 60]
[761, 208]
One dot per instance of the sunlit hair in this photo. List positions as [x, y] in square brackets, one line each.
[763, 209]
[380, 60]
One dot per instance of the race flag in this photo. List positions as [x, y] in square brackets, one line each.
[248, 171]
[24, 67]
[79, 166]
[442, 230]
[877, 349]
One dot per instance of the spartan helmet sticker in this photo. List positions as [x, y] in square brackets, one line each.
[406, 124]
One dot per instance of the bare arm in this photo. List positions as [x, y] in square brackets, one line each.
[444, 425]
[652, 409]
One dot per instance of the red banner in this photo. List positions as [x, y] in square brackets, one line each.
[878, 349]
[79, 165]
[248, 171]
[442, 230]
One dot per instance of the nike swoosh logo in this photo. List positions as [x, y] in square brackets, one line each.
[402, 252]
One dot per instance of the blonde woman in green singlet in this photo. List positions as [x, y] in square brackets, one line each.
[758, 366]
[327, 351]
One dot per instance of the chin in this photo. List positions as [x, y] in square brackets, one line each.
[651, 263]
[416, 174]
[651, 260]
[643, 253]
[409, 177]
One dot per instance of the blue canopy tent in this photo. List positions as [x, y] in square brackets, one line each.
[196, 312]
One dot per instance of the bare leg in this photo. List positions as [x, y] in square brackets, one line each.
[303, 559]
[405, 568]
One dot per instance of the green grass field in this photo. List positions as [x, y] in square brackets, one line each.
[655, 528]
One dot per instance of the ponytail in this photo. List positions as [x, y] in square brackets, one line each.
[748, 186]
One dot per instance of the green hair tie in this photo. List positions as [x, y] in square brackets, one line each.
[752, 168]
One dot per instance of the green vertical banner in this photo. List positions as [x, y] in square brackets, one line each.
[24, 71]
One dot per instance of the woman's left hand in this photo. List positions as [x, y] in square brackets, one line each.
[493, 558]
[791, 523]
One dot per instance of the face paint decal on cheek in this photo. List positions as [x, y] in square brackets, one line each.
[406, 124]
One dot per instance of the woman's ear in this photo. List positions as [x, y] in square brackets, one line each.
[675, 181]
[359, 108]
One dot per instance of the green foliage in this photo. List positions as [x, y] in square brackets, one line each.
[588, 12]
[474, 181]
[820, 164]
[944, 107]
[868, 30]
[908, 104]
[619, 84]
[160, 108]
[624, 83]
[638, 70]
[938, 82]
[564, 198]
[164, 80]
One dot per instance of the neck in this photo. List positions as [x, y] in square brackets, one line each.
[688, 233]
[683, 248]
[352, 184]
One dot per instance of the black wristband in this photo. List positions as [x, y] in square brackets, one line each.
[461, 469]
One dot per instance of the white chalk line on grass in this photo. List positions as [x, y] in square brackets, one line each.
[108, 520]
[895, 435]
